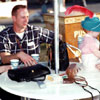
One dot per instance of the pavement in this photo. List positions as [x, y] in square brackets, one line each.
[33, 9]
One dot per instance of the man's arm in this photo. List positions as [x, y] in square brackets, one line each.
[6, 57]
[46, 35]
[25, 58]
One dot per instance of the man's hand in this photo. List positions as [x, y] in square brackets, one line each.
[26, 59]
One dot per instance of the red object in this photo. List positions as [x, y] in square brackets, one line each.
[80, 9]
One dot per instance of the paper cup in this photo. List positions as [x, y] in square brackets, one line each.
[36, 57]
[14, 63]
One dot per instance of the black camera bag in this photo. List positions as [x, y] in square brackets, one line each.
[37, 72]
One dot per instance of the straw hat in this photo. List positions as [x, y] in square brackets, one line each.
[91, 24]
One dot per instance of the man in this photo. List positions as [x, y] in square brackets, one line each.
[21, 40]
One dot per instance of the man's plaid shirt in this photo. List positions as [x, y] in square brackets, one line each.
[30, 43]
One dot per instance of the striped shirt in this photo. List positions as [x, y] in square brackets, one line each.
[30, 43]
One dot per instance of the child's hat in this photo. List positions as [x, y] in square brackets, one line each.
[91, 24]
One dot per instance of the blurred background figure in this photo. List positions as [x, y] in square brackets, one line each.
[62, 6]
[39, 14]
[80, 2]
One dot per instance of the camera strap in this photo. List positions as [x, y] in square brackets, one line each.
[19, 45]
[81, 81]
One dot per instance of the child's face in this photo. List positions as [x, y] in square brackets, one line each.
[95, 34]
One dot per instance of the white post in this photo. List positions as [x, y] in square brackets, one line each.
[56, 30]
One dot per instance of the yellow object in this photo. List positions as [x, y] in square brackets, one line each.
[50, 78]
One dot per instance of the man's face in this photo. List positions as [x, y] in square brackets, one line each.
[22, 18]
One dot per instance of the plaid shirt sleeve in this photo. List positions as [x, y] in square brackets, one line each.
[46, 36]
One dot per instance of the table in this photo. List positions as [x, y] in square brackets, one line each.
[52, 91]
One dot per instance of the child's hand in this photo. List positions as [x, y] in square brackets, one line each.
[72, 70]
[98, 66]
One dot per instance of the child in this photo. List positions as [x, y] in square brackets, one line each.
[90, 45]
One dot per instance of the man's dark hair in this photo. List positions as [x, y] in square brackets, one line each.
[14, 10]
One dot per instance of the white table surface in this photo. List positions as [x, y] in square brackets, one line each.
[52, 91]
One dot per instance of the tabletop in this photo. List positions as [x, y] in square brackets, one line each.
[57, 91]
